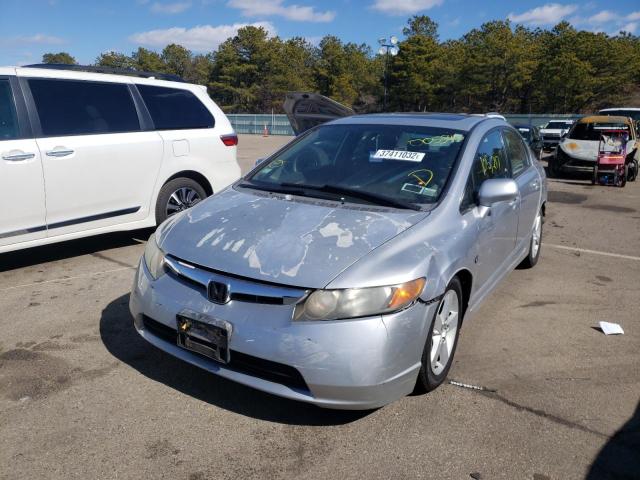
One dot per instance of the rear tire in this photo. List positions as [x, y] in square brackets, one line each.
[177, 195]
[552, 169]
[443, 333]
[535, 244]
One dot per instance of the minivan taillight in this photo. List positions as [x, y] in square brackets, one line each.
[229, 140]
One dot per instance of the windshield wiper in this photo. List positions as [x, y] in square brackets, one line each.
[355, 193]
[276, 187]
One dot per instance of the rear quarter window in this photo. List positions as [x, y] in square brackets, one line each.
[175, 109]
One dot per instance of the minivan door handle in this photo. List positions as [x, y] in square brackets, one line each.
[16, 156]
[535, 185]
[59, 153]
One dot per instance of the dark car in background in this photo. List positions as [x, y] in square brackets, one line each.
[532, 137]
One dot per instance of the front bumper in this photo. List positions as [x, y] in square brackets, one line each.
[567, 163]
[348, 364]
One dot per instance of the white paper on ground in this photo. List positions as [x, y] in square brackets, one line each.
[611, 328]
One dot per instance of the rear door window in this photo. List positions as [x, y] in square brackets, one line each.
[70, 107]
[175, 109]
[8, 116]
[517, 152]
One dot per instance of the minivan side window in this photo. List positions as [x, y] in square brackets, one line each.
[517, 152]
[71, 107]
[8, 116]
[174, 108]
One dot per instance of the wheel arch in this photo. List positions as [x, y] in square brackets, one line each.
[195, 176]
[466, 282]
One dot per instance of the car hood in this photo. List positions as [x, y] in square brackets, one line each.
[586, 149]
[304, 243]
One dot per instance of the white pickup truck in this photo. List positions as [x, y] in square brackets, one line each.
[553, 131]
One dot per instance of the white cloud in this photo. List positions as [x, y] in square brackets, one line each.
[170, 8]
[630, 27]
[602, 17]
[548, 14]
[298, 13]
[404, 7]
[203, 38]
[37, 39]
[633, 16]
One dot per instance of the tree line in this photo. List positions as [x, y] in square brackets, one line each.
[496, 67]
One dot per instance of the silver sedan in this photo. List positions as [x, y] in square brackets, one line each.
[339, 271]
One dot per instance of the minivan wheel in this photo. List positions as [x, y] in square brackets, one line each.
[442, 339]
[535, 244]
[176, 196]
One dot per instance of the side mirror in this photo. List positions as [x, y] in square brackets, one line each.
[259, 161]
[497, 190]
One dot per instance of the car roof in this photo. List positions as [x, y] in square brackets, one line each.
[454, 121]
[96, 76]
[632, 109]
[604, 119]
[524, 125]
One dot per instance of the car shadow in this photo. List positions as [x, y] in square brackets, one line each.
[123, 342]
[71, 248]
[620, 457]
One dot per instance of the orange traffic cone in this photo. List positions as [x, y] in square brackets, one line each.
[265, 132]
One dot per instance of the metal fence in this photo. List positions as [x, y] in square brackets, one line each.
[256, 124]
[279, 124]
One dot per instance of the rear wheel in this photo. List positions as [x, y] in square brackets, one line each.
[552, 167]
[633, 171]
[176, 196]
[535, 244]
[622, 179]
[442, 339]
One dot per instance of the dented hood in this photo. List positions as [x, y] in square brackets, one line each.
[297, 243]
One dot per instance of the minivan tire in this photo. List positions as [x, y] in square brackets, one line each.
[428, 380]
[174, 186]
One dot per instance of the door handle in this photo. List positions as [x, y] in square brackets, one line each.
[16, 157]
[59, 153]
[535, 185]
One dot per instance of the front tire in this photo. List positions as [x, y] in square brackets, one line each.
[178, 195]
[535, 244]
[442, 339]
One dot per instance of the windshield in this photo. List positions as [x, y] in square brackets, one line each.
[635, 114]
[401, 163]
[558, 125]
[592, 131]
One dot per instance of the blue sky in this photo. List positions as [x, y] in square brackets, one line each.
[29, 28]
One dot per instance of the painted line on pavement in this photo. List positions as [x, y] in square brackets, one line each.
[593, 252]
[55, 280]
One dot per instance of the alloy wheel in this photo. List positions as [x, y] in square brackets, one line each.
[182, 199]
[444, 333]
[537, 234]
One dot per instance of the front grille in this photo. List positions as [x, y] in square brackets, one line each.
[240, 362]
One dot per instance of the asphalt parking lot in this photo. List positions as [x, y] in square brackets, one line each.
[82, 396]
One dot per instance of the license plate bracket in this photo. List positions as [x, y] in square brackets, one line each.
[205, 335]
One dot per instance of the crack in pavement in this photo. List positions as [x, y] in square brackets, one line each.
[493, 394]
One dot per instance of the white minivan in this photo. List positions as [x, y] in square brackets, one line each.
[83, 153]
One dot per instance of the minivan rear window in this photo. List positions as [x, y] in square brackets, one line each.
[75, 107]
[175, 109]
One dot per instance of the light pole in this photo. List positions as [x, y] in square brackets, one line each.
[387, 47]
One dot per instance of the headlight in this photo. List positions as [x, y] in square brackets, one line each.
[154, 258]
[358, 302]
